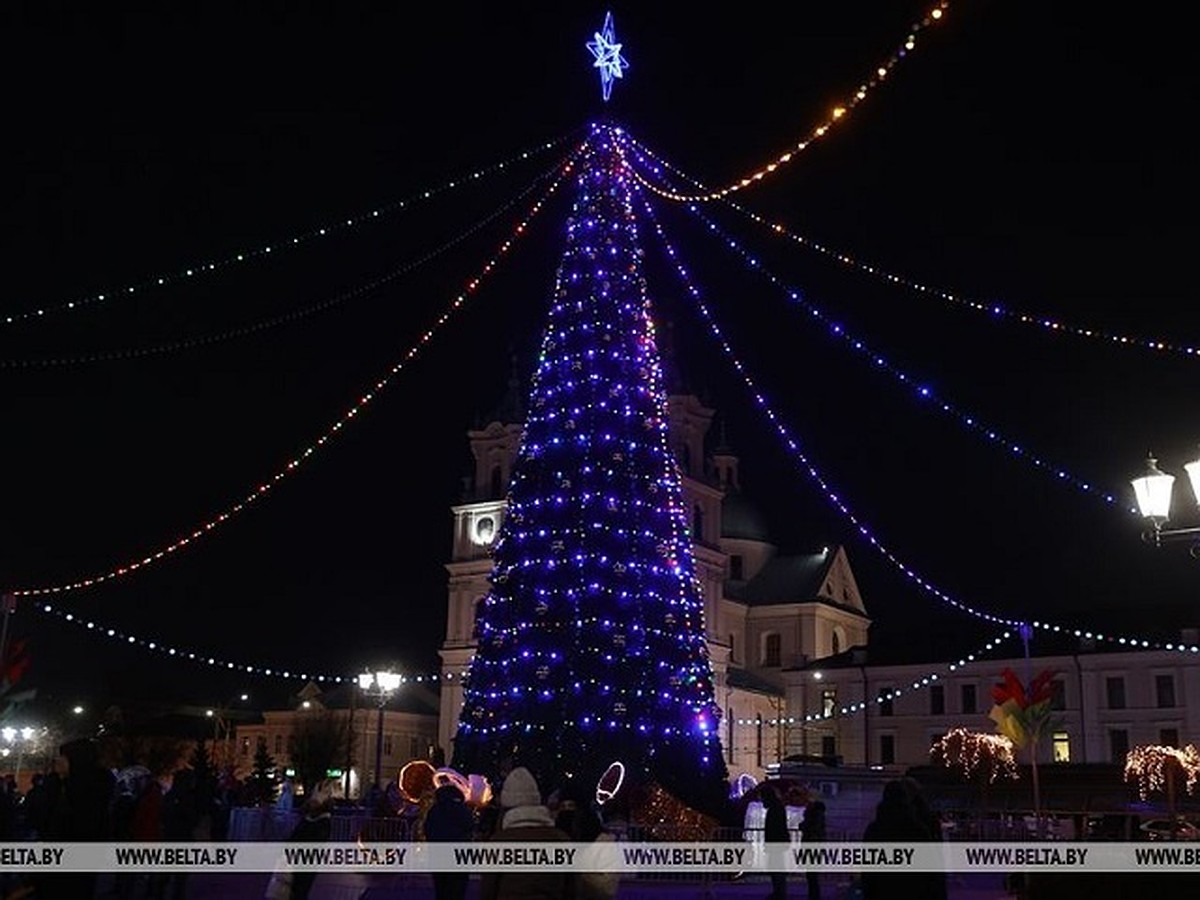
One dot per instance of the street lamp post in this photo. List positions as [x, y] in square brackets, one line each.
[222, 751]
[380, 685]
[1153, 491]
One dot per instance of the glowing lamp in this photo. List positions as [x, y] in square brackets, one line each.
[1153, 491]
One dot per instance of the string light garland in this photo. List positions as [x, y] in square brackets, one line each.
[174, 651]
[836, 116]
[286, 318]
[1153, 766]
[357, 407]
[920, 390]
[196, 270]
[993, 310]
[792, 446]
[976, 751]
[925, 681]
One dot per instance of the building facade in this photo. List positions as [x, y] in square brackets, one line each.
[1105, 702]
[409, 731]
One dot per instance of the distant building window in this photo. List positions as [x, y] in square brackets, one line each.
[732, 647]
[697, 523]
[1058, 694]
[1118, 744]
[828, 745]
[1061, 743]
[1169, 737]
[1115, 689]
[387, 745]
[1164, 688]
[887, 749]
[835, 643]
[735, 567]
[828, 701]
[968, 699]
[245, 746]
[884, 699]
[937, 700]
[497, 483]
[414, 747]
[772, 650]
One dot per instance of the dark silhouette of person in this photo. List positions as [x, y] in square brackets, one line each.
[449, 820]
[78, 812]
[812, 830]
[315, 827]
[777, 837]
[899, 818]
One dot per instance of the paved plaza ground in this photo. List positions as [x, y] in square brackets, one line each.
[351, 887]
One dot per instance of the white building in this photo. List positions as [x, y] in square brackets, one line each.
[1108, 701]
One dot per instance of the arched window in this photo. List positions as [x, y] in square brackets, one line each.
[836, 643]
[772, 650]
[476, 610]
[697, 523]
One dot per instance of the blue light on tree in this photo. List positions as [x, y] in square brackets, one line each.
[608, 56]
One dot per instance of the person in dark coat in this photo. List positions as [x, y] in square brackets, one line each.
[777, 837]
[78, 812]
[898, 820]
[449, 820]
[315, 827]
[812, 830]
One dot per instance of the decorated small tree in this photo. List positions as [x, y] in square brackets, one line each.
[1025, 716]
[1158, 768]
[980, 758]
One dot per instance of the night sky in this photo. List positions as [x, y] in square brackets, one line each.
[1033, 156]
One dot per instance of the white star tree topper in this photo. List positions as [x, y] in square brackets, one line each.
[607, 51]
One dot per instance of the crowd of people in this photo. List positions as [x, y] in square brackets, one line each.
[82, 800]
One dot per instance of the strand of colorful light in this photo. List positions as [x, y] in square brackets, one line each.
[286, 318]
[839, 504]
[216, 662]
[992, 309]
[927, 680]
[293, 465]
[837, 114]
[198, 269]
[921, 391]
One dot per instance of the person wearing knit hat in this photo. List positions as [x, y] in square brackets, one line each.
[526, 818]
[520, 789]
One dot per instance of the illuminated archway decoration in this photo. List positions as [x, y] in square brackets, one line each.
[610, 783]
[742, 785]
[416, 779]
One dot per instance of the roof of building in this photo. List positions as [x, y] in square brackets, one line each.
[741, 519]
[748, 681]
[786, 579]
[412, 697]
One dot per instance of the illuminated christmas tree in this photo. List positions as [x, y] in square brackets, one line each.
[591, 639]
